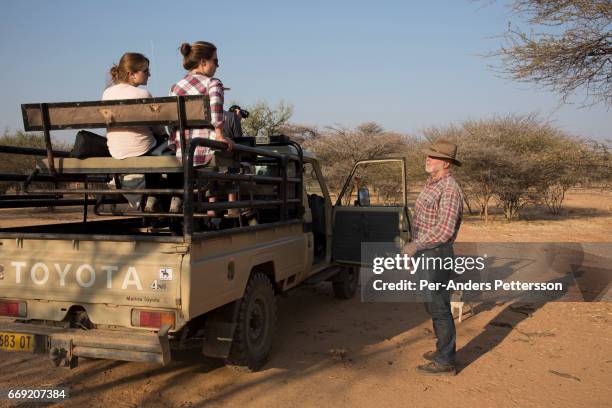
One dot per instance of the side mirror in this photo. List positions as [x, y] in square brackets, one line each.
[363, 197]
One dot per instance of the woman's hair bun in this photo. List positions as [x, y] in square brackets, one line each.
[114, 73]
[129, 62]
[185, 49]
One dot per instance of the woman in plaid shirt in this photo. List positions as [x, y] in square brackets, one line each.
[201, 62]
[200, 59]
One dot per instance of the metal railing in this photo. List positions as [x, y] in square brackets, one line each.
[191, 192]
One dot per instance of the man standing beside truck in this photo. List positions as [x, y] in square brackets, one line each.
[436, 221]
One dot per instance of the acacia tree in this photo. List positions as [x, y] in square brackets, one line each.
[264, 120]
[479, 173]
[599, 166]
[568, 47]
[339, 148]
[299, 133]
[519, 160]
[565, 164]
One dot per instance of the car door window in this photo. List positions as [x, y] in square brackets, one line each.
[383, 180]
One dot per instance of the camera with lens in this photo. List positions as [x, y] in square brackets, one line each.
[242, 112]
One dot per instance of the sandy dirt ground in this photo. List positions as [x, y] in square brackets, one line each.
[329, 352]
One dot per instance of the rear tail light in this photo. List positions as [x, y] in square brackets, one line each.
[152, 318]
[12, 308]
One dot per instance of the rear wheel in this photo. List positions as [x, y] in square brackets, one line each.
[255, 326]
[346, 282]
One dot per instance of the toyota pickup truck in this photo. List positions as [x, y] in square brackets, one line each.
[135, 286]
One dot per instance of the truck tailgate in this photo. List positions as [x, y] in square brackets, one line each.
[94, 272]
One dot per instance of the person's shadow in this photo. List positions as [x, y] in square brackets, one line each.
[503, 323]
[582, 272]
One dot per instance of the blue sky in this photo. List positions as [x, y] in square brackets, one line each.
[407, 65]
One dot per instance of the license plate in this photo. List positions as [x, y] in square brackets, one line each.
[16, 342]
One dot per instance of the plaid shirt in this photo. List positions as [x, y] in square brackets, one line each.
[197, 84]
[437, 213]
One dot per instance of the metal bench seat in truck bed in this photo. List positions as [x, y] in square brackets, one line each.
[106, 165]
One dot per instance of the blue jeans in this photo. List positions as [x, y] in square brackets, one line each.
[438, 305]
[158, 150]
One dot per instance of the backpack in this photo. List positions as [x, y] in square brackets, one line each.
[89, 144]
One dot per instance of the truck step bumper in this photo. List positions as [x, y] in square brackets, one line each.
[63, 344]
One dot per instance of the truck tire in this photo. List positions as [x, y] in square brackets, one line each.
[345, 284]
[255, 325]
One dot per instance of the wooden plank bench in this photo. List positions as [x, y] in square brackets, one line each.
[188, 112]
[117, 113]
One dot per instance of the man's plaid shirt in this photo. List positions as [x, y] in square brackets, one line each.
[437, 213]
[197, 84]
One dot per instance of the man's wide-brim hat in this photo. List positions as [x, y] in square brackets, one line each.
[443, 149]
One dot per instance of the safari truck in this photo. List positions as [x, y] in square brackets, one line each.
[133, 285]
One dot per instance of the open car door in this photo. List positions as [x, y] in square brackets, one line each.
[372, 207]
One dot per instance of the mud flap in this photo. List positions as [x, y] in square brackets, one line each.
[164, 343]
[219, 330]
[60, 353]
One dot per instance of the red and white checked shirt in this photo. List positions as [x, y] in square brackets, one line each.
[197, 84]
[438, 212]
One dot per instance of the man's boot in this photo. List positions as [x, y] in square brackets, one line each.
[435, 368]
